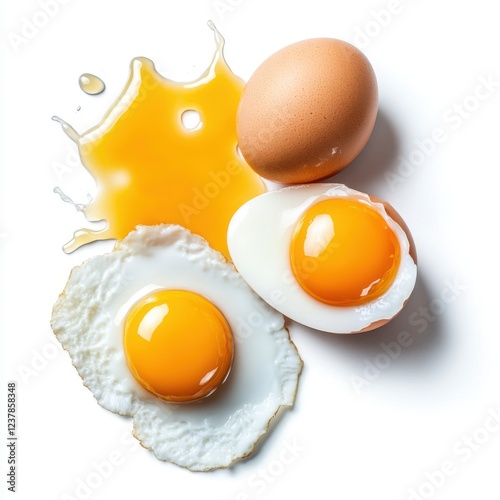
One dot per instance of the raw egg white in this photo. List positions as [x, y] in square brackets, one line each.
[345, 271]
[126, 318]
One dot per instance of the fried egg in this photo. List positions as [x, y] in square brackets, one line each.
[325, 255]
[163, 329]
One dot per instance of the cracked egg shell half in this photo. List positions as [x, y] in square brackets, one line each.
[327, 256]
[163, 329]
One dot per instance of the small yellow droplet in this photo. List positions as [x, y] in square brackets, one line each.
[91, 84]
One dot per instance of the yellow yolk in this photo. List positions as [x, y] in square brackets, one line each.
[178, 345]
[343, 252]
[152, 167]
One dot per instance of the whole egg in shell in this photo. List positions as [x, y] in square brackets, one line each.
[325, 255]
[307, 111]
[163, 329]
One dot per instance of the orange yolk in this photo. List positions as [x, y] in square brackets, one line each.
[152, 166]
[178, 345]
[343, 252]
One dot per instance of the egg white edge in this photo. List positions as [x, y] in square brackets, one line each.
[258, 222]
[148, 406]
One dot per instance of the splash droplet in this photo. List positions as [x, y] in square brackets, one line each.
[91, 84]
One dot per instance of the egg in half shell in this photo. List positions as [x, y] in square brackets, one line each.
[325, 255]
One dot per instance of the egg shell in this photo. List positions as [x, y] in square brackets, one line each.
[307, 111]
[396, 217]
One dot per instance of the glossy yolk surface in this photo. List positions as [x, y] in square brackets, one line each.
[150, 168]
[178, 345]
[343, 252]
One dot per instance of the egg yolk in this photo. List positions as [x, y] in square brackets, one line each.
[166, 152]
[178, 345]
[343, 252]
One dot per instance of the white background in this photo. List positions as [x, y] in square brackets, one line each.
[414, 411]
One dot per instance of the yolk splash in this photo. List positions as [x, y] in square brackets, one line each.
[91, 84]
[178, 345]
[150, 168]
[343, 252]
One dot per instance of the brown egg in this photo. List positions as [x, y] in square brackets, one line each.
[307, 111]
